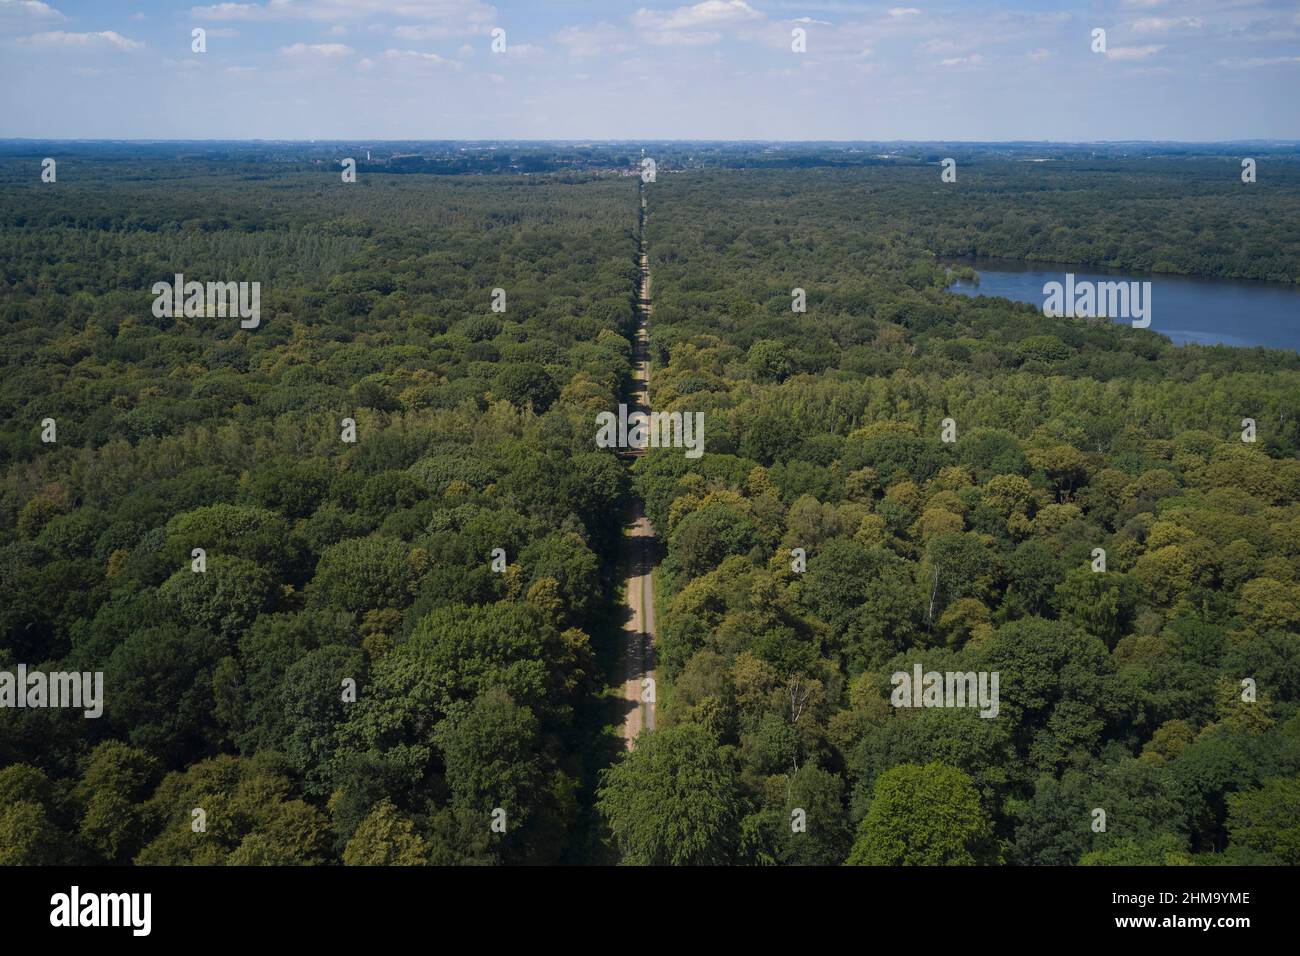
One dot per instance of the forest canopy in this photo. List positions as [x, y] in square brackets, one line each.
[388, 641]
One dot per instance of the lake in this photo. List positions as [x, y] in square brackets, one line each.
[1238, 312]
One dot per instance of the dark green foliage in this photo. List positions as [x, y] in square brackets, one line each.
[923, 816]
[1119, 688]
[673, 800]
[477, 690]
[324, 562]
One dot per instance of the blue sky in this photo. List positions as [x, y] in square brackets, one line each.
[718, 69]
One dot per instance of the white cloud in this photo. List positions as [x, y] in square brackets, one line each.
[24, 12]
[941, 45]
[696, 25]
[461, 16]
[1164, 24]
[677, 38]
[973, 60]
[600, 39]
[897, 13]
[706, 14]
[422, 31]
[317, 49]
[424, 59]
[1134, 52]
[103, 38]
[1255, 62]
[230, 11]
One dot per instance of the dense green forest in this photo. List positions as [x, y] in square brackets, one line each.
[326, 560]
[484, 690]
[1120, 690]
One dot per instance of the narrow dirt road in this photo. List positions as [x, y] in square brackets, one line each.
[639, 690]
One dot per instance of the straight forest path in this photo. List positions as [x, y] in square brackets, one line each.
[640, 544]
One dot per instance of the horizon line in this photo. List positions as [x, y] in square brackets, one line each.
[625, 141]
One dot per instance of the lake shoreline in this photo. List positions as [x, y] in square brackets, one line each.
[1190, 310]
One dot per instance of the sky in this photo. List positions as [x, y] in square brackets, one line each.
[961, 70]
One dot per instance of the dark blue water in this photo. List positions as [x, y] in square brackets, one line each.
[1237, 312]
